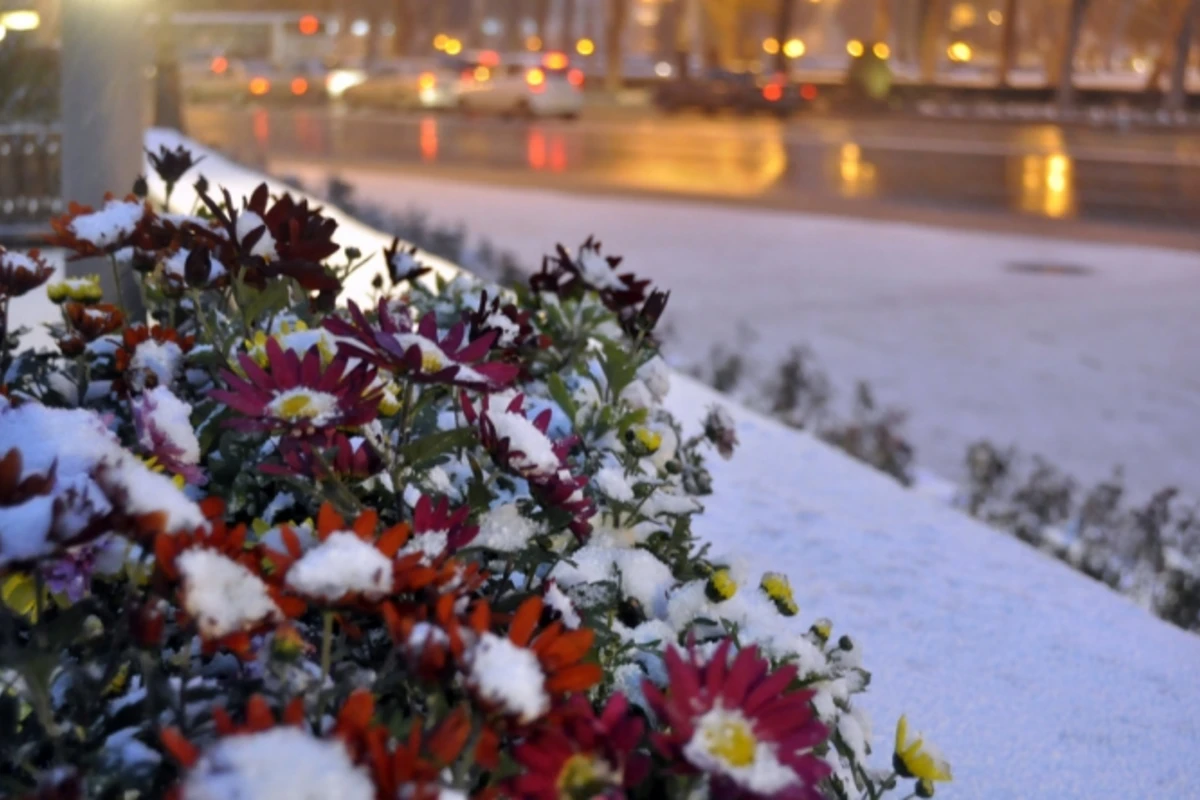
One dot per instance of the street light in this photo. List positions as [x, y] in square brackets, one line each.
[23, 20]
[959, 51]
[770, 45]
[585, 47]
[794, 48]
[854, 47]
[881, 51]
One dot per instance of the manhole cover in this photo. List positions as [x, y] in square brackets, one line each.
[1048, 268]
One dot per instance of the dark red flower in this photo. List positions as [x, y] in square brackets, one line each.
[21, 273]
[87, 232]
[402, 263]
[93, 321]
[171, 165]
[513, 327]
[298, 395]
[447, 528]
[149, 357]
[521, 446]
[740, 724]
[327, 452]
[576, 755]
[419, 355]
[280, 238]
[568, 276]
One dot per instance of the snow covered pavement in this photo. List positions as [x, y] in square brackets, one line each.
[1035, 681]
[1089, 370]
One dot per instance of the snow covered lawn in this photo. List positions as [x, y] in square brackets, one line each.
[1089, 370]
[1037, 682]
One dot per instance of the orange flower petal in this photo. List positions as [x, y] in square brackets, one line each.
[212, 507]
[448, 741]
[293, 712]
[524, 621]
[328, 521]
[290, 540]
[568, 649]
[258, 714]
[183, 751]
[391, 540]
[547, 638]
[575, 678]
[481, 617]
[223, 721]
[366, 523]
[356, 714]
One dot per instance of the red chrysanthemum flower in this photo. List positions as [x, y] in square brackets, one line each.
[299, 395]
[518, 675]
[521, 446]
[576, 755]
[256, 756]
[88, 232]
[224, 588]
[438, 531]
[739, 724]
[91, 322]
[419, 355]
[569, 276]
[150, 357]
[21, 273]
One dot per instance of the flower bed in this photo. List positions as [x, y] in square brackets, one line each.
[438, 546]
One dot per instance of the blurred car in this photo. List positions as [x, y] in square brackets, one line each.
[527, 86]
[302, 82]
[739, 92]
[218, 78]
[409, 84]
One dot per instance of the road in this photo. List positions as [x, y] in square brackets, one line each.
[1148, 181]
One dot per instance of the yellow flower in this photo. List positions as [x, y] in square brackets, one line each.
[85, 289]
[117, 685]
[152, 464]
[19, 593]
[389, 404]
[779, 589]
[915, 758]
[721, 586]
[649, 439]
[822, 628]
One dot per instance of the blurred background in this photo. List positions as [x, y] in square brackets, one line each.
[981, 212]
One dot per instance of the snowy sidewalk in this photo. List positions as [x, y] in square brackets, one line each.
[1035, 681]
[1088, 370]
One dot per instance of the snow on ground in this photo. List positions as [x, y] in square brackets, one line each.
[1090, 371]
[1035, 681]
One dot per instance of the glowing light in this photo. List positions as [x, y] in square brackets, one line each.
[771, 45]
[575, 78]
[453, 47]
[440, 41]
[309, 25]
[809, 92]
[259, 86]
[429, 139]
[881, 51]
[962, 16]
[1046, 185]
[662, 69]
[360, 28]
[533, 43]
[794, 48]
[426, 80]
[3, 32]
[299, 86]
[535, 149]
[995, 17]
[585, 47]
[482, 73]
[20, 20]
[489, 58]
[959, 51]
[339, 80]
[220, 65]
[555, 61]
[1139, 65]
[854, 47]
[772, 92]
[858, 176]
[535, 77]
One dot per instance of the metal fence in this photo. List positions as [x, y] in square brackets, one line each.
[30, 178]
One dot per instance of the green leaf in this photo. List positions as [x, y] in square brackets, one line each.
[558, 391]
[427, 448]
[619, 367]
[274, 298]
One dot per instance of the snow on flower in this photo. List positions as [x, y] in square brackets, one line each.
[532, 451]
[914, 757]
[222, 595]
[342, 564]
[505, 529]
[642, 576]
[557, 600]
[111, 225]
[612, 483]
[282, 763]
[160, 359]
[508, 676]
[165, 429]
[248, 222]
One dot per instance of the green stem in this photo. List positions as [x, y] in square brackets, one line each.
[116, 273]
[326, 659]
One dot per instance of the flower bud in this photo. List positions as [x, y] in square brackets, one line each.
[924, 788]
[721, 586]
[140, 189]
[777, 587]
[197, 269]
[822, 628]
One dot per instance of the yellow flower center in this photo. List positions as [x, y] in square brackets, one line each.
[300, 404]
[649, 439]
[582, 777]
[431, 362]
[729, 738]
[779, 589]
[721, 586]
